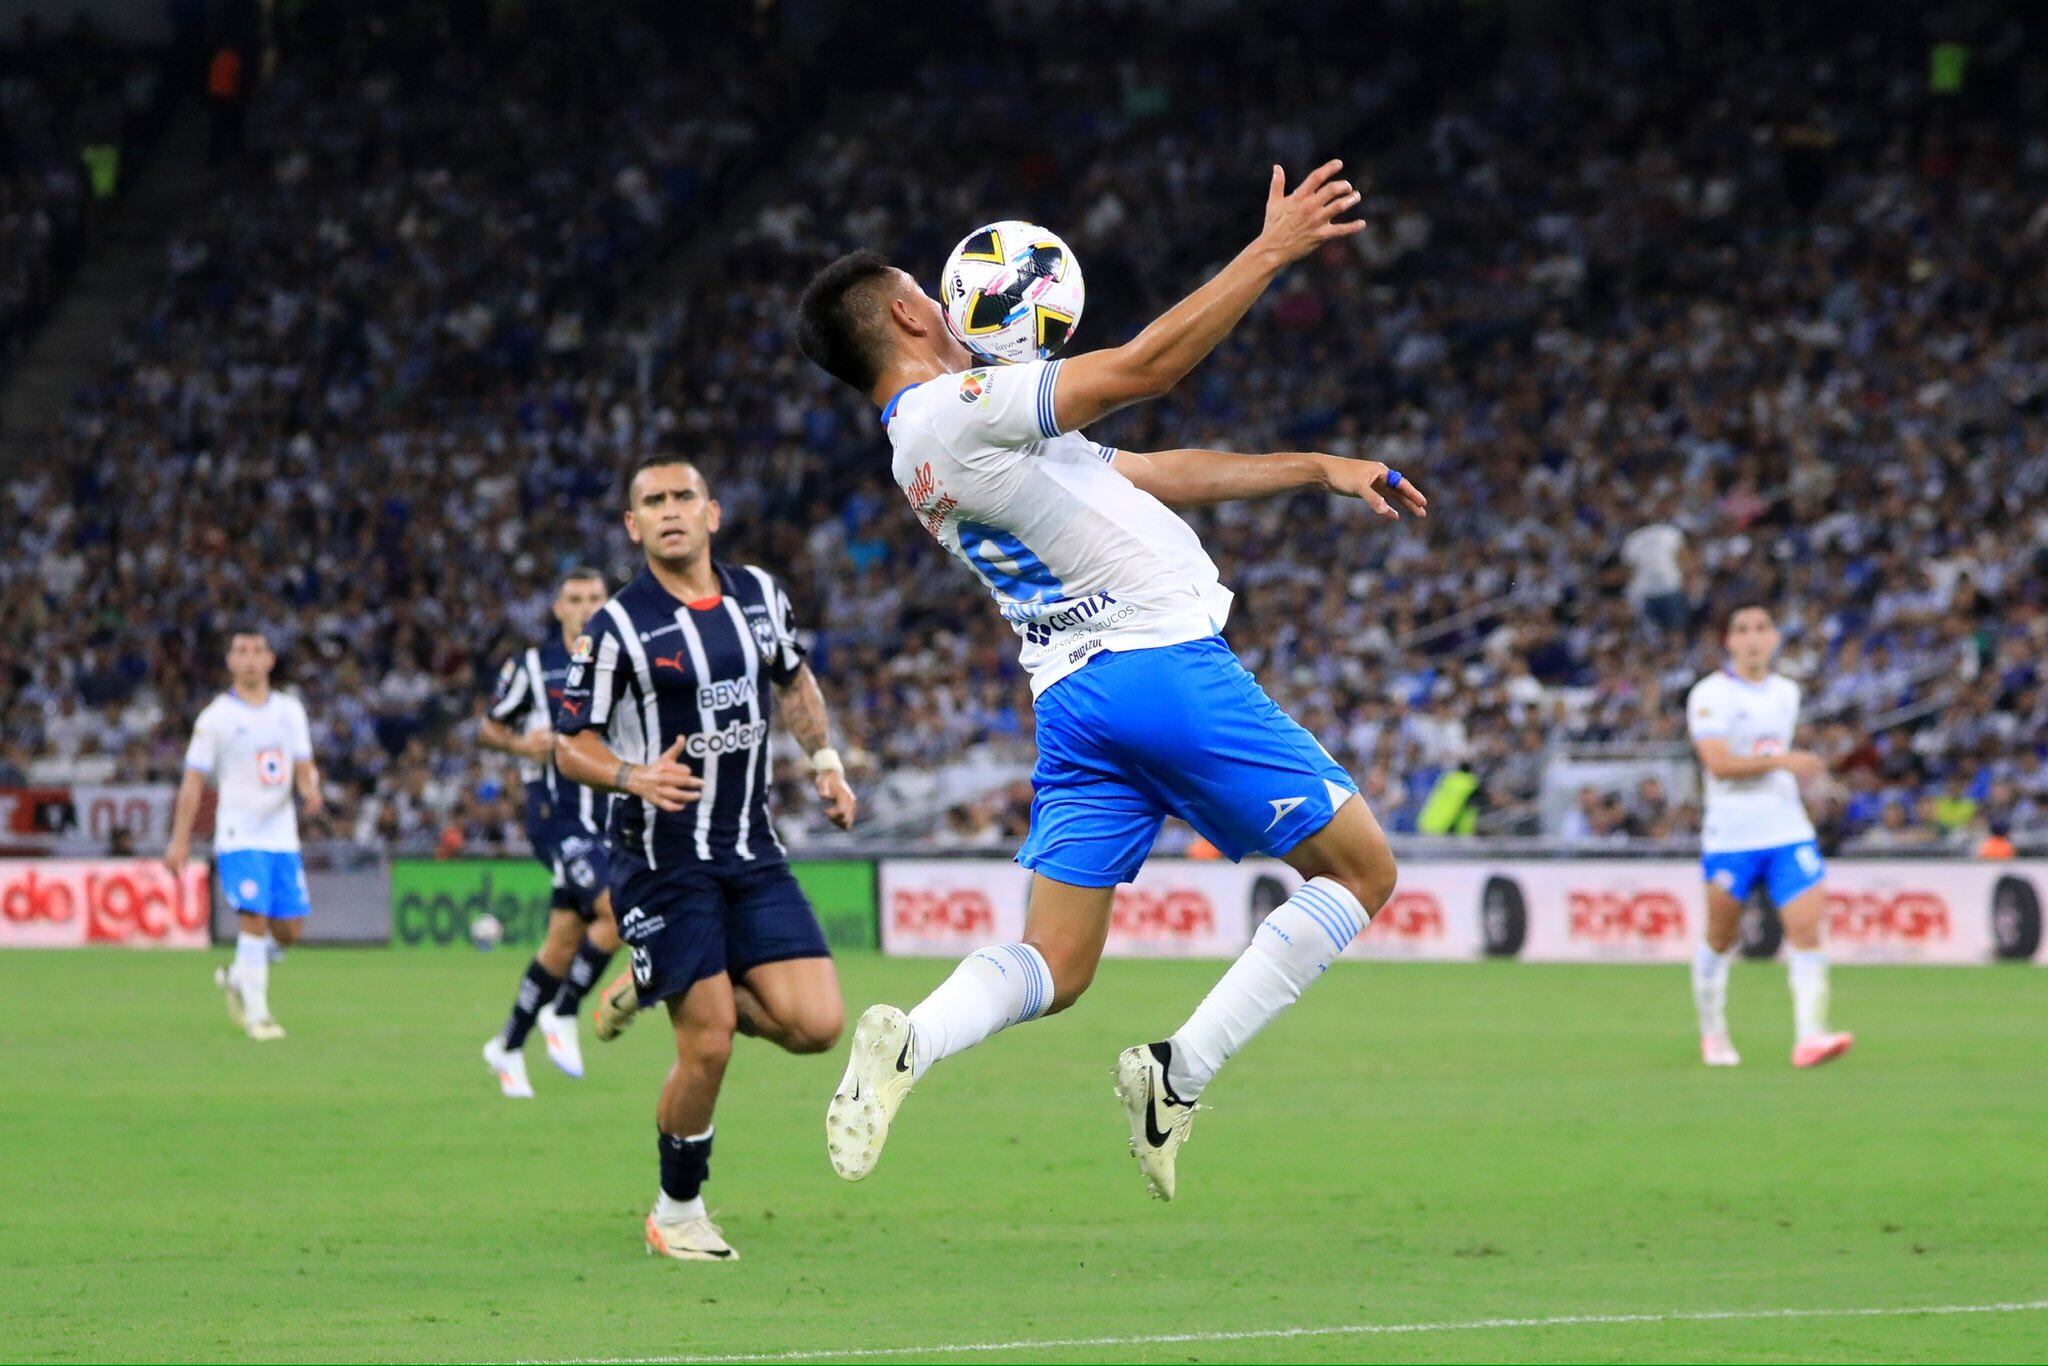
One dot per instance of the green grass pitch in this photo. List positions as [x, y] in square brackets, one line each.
[1412, 1145]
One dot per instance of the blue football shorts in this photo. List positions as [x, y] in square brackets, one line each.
[1786, 871]
[1135, 736]
[266, 882]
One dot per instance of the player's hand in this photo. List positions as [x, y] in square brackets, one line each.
[668, 785]
[538, 745]
[1802, 764]
[176, 857]
[1366, 480]
[1298, 223]
[839, 800]
[312, 801]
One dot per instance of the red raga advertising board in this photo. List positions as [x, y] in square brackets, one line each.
[947, 908]
[1589, 910]
[73, 903]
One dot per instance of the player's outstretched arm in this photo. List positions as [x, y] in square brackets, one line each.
[668, 784]
[802, 703]
[1198, 478]
[1100, 382]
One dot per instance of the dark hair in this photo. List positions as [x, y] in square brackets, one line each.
[244, 628]
[658, 460]
[836, 320]
[584, 573]
[1741, 605]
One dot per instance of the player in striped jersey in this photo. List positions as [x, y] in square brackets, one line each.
[565, 824]
[669, 700]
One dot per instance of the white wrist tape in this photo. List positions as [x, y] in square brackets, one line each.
[827, 760]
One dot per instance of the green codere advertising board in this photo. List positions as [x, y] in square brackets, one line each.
[432, 901]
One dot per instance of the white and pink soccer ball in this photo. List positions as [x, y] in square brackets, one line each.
[1012, 292]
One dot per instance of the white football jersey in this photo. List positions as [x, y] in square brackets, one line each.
[1079, 559]
[249, 752]
[1763, 812]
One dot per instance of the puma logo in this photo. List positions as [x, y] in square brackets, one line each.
[674, 661]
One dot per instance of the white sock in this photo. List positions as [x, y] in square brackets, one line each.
[252, 975]
[1808, 969]
[1710, 988]
[669, 1210]
[1294, 946]
[273, 950]
[992, 989]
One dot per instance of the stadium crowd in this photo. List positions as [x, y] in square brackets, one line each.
[77, 111]
[1665, 312]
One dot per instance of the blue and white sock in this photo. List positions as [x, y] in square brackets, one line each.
[1710, 988]
[1294, 946]
[992, 989]
[1808, 969]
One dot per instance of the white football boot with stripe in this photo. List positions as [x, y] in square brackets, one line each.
[1159, 1119]
[509, 1068]
[692, 1240]
[879, 1074]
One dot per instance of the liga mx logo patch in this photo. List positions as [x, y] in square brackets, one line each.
[580, 651]
[974, 387]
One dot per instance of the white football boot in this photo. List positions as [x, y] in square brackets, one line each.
[1717, 1051]
[692, 1240]
[1159, 1120]
[509, 1068]
[879, 1074]
[565, 1050]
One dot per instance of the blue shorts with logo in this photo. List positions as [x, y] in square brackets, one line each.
[266, 882]
[1135, 736]
[579, 862]
[1786, 871]
[687, 921]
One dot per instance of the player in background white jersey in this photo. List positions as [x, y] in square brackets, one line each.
[1142, 710]
[252, 742]
[1756, 831]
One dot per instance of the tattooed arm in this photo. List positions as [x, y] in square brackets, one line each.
[803, 712]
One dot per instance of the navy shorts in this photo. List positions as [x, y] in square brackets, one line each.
[690, 921]
[1179, 730]
[579, 862]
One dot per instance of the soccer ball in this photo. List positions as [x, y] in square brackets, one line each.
[1012, 292]
[486, 931]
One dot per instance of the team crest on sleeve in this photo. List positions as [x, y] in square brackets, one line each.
[580, 651]
[974, 387]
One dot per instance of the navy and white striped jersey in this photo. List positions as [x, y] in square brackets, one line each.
[529, 686]
[653, 668]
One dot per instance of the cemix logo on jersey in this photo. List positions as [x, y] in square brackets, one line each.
[1040, 626]
[948, 910]
[1907, 917]
[1170, 913]
[1598, 916]
[737, 736]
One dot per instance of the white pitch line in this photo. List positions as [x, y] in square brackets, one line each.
[1343, 1330]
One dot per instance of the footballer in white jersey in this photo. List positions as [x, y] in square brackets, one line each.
[253, 743]
[1756, 833]
[1142, 710]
